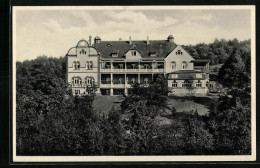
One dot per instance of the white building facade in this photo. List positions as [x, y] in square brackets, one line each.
[111, 67]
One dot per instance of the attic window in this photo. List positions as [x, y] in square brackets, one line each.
[109, 45]
[179, 52]
[133, 53]
[153, 54]
[114, 55]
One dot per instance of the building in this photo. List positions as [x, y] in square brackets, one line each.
[111, 67]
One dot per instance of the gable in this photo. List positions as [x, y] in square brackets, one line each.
[178, 57]
[179, 53]
[133, 54]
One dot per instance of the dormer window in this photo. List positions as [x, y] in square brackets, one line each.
[114, 55]
[179, 52]
[109, 45]
[152, 53]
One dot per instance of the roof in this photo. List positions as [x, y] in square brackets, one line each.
[72, 51]
[161, 47]
[186, 72]
[201, 61]
[82, 43]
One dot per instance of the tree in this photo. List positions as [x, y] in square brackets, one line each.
[155, 93]
[231, 129]
[197, 139]
[138, 121]
[233, 73]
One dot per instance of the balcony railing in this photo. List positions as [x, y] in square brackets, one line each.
[131, 70]
[105, 85]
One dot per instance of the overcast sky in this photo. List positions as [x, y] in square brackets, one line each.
[54, 32]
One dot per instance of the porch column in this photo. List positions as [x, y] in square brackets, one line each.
[111, 65]
[111, 78]
[139, 78]
[126, 91]
[125, 74]
[111, 92]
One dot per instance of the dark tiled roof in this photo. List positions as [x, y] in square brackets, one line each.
[161, 47]
[201, 61]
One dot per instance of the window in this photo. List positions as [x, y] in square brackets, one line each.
[90, 65]
[184, 65]
[114, 55]
[199, 84]
[74, 65]
[89, 80]
[87, 65]
[133, 53]
[174, 83]
[207, 84]
[186, 83]
[179, 52]
[78, 65]
[173, 65]
[76, 80]
[83, 52]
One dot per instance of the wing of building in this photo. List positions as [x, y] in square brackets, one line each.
[111, 67]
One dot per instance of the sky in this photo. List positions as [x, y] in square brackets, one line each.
[54, 32]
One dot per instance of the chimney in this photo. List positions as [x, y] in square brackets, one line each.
[130, 41]
[90, 37]
[148, 42]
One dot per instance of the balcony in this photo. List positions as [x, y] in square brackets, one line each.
[105, 70]
[118, 85]
[105, 85]
[132, 70]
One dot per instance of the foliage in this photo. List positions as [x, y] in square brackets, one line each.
[50, 121]
[155, 94]
[233, 73]
[219, 51]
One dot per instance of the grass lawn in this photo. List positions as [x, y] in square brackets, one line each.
[184, 105]
[103, 104]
